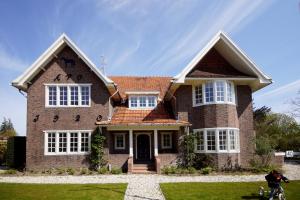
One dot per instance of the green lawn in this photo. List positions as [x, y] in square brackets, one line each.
[189, 191]
[61, 191]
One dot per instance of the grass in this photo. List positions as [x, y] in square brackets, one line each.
[249, 190]
[9, 191]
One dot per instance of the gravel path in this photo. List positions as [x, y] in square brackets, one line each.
[146, 187]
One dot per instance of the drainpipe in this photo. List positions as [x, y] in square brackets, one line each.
[110, 106]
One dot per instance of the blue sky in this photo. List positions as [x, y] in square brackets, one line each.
[146, 37]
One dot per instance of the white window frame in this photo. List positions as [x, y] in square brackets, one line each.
[217, 143]
[68, 152]
[68, 85]
[215, 101]
[115, 139]
[147, 107]
[163, 146]
[198, 137]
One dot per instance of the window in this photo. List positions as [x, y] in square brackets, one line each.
[214, 92]
[64, 95]
[67, 142]
[232, 140]
[120, 141]
[133, 102]
[73, 142]
[200, 141]
[85, 95]
[211, 140]
[62, 142]
[84, 142]
[222, 140]
[166, 139]
[74, 95]
[51, 142]
[143, 102]
[151, 101]
[220, 89]
[198, 94]
[52, 95]
[217, 140]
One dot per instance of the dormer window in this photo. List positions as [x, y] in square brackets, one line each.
[142, 102]
[214, 92]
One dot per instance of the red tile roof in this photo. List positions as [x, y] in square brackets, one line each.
[125, 116]
[141, 84]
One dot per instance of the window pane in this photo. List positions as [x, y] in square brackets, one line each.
[211, 141]
[62, 142]
[52, 95]
[230, 94]
[85, 95]
[220, 86]
[232, 139]
[200, 141]
[84, 142]
[119, 141]
[209, 92]
[74, 95]
[73, 142]
[142, 101]
[63, 95]
[133, 102]
[151, 101]
[166, 140]
[51, 143]
[198, 94]
[222, 140]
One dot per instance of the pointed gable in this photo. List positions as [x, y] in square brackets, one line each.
[214, 65]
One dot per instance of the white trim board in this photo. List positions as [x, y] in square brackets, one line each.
[243, 62]
[38, 65]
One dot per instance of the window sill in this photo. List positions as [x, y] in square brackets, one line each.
[68, 106]
[67, 154]
[212, 103]
[219, 152]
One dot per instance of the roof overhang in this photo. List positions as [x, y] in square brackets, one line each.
[234, 55]
[22, 81]
[142, 92]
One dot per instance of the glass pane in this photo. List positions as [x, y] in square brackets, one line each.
[74, 95]
[198, 94]
[211, 141]
[220, 90]
[85, 95]
[209, 92]
[52, 95]
[63, 95]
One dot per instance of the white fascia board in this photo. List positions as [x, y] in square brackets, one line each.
[20, 82]
[180, 78]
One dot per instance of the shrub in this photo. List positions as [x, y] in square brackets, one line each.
[187, 151]
[203, 160]
[191, 170]
[10, 171]
[60, 171]
[84, 171]
[116, 170]
[97, 149]
[103, 170]
[206, 170]
[70, 171]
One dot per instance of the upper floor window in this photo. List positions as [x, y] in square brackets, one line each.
[214, 140]
[142, 102]
[214, 92]
[64, 95]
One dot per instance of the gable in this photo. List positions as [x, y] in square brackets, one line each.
[22, 81]
[214, 65]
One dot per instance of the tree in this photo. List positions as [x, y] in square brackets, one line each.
[296, 106]
[7, 128]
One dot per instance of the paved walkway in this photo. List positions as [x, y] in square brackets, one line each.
[146, 187]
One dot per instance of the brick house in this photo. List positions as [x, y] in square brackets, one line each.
[141, 117]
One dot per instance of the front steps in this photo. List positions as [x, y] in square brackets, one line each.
[144, 168]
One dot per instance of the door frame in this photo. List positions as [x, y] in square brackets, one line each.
[143, 133]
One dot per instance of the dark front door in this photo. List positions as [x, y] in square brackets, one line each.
[143, 147]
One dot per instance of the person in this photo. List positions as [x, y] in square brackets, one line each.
[274, 178]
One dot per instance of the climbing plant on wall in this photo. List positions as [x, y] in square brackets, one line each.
[97, 158]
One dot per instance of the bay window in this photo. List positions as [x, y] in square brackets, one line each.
[67, 142]
[214, 92]
[217, 140]
[68, 95]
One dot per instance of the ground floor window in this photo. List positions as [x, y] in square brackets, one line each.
[166, 140]
[67, 142]
[217, 140]
[120, 141]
